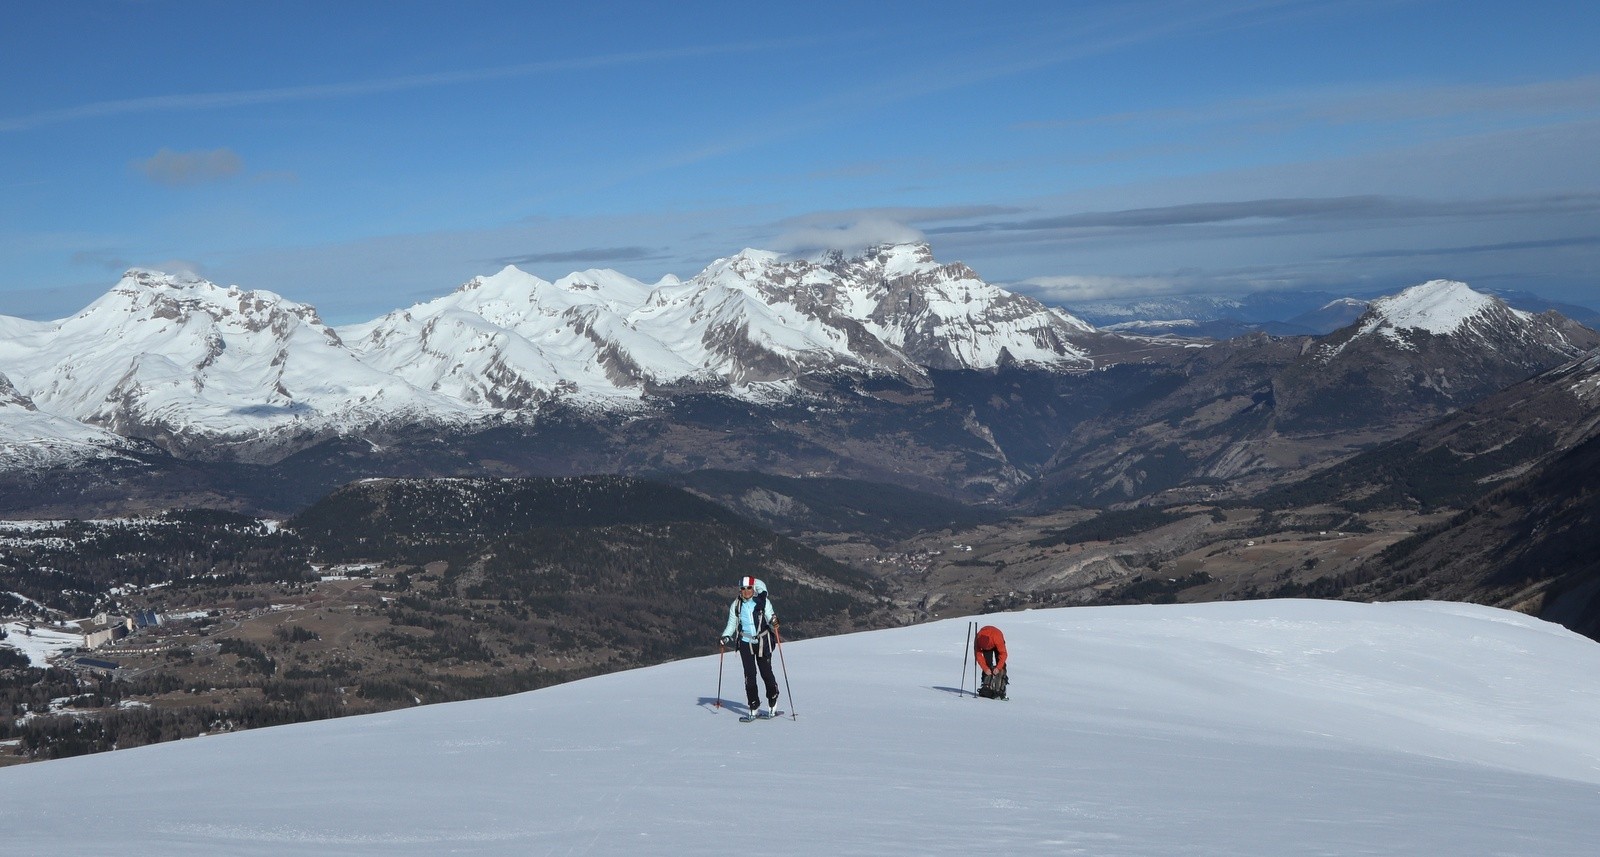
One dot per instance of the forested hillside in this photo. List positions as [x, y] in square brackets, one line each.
[391, 593]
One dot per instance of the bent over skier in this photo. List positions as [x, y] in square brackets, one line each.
[989, 648]
[751, 621]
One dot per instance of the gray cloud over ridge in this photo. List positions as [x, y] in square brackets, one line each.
[1541, 244]
[1341, 207]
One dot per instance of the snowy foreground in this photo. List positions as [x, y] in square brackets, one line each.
[1261, 728]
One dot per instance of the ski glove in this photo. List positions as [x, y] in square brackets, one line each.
[726, 642]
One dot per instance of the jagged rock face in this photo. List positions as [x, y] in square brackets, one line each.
[947, 317]
[890, 310]
[746, 323]
[1527, 545]
[10, 398]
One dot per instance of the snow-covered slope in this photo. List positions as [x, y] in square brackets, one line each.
[1446, 308]
[752, 318]
[163, 355]
[513, 340]
[1258, 728]
[32, 438]
[1437, 306]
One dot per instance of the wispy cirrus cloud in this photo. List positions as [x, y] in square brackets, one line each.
[902, 214]
[179, 102]
[1393, 102]
[1051, 42]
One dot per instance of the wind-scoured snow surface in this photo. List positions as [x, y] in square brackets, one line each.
[1261, 728]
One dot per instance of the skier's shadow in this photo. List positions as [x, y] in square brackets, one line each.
[710, 703]
[955, 690]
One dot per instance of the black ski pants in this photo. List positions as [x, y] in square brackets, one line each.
[757, 656]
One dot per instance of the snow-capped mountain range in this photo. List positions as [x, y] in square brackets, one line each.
[207, 372]
[178, 359]
[206, 369]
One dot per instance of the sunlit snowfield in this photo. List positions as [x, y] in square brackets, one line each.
[1261, 728]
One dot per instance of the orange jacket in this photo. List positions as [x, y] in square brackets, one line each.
[990, 639]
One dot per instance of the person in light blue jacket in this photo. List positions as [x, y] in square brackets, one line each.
[751, 623]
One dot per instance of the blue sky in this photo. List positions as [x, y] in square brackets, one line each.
[365, 156]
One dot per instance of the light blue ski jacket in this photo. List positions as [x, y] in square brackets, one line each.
[742, 615]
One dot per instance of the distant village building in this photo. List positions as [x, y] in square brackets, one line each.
[97, 633]
[104, 627]
[98, 666]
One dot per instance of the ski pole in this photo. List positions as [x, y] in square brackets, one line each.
[965, 659]
[978, 677]
[777, 643]
[721, 650]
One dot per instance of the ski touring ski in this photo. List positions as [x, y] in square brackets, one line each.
[746, 718]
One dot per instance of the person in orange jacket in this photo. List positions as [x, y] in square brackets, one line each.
[990, 651]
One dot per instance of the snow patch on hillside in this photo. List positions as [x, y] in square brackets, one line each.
[42, 644]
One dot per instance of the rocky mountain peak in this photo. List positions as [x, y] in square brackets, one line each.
[10, 398]
[899, 260]
[1440, 307]
[147, 298]
[1446, 314]
[1422, 353]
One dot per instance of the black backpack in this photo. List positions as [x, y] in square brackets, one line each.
[993, 685]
